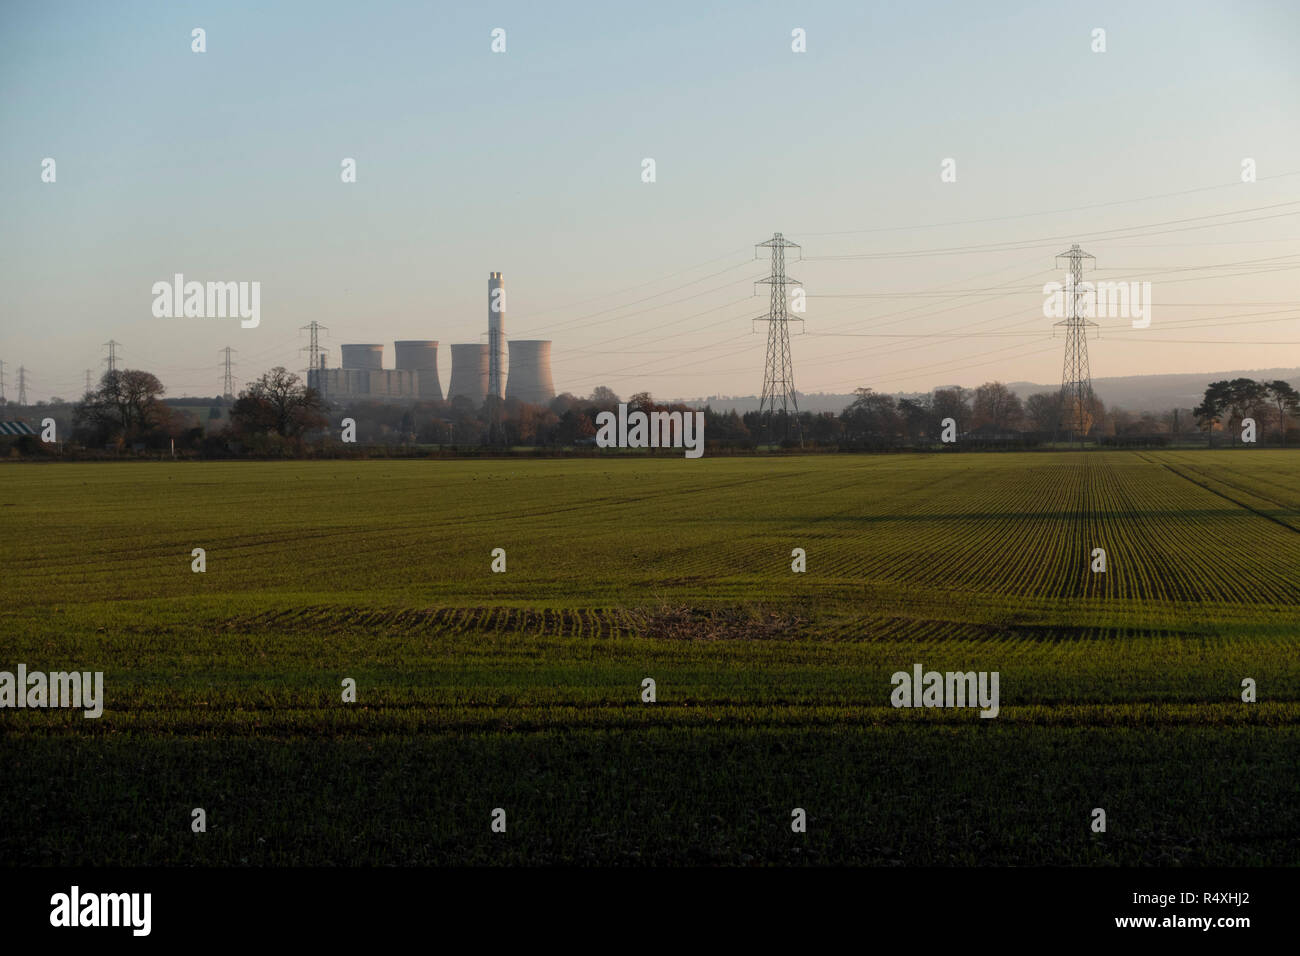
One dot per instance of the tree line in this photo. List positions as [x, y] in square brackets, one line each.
[279, 415]
[1227, 404]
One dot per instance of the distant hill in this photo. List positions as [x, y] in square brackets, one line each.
[1161, 392]
[1135, 393]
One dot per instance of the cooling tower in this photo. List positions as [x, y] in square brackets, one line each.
[496, 334]
[469, 372]
[421, 357]
[530, 371]
[363, 356]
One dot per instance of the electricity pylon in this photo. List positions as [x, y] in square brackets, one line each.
[778, 374]
[1076, 378]
[315, 348]
[228, 384]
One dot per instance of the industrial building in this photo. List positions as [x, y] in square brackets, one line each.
[519, 370]
[363, 377]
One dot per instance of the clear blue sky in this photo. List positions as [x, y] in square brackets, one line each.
[225, 165]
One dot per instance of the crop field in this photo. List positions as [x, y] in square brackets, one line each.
[1120, 689]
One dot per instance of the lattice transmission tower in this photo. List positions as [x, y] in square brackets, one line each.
[315, 349]
[228, 382]
[778, 375]
[1077, 400]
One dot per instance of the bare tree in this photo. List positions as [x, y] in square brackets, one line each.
[1043, 410]
[952, 403]
[871, 416]
[278, 402]
[125, 406]
[997, 405]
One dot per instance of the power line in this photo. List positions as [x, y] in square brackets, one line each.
[642, 285]
[910, 312]
[657, 330]
[1208, 342]
[1019, 244]
[652, 308]
[1144, 270]
[641, 369]
[1133, 231]
[1175, 325]
[843, 357]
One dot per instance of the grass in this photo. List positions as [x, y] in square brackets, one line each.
[522, 690]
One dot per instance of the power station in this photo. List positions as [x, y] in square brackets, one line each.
[363, 376]
[519, 370]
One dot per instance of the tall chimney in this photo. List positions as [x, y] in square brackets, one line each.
[496, 335]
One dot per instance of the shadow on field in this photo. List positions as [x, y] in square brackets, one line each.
[963, 795]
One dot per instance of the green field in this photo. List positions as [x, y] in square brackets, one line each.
[522, 690]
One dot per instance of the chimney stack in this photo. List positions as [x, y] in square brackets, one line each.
[496, 335]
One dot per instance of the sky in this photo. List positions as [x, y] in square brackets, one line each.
[226, 166]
